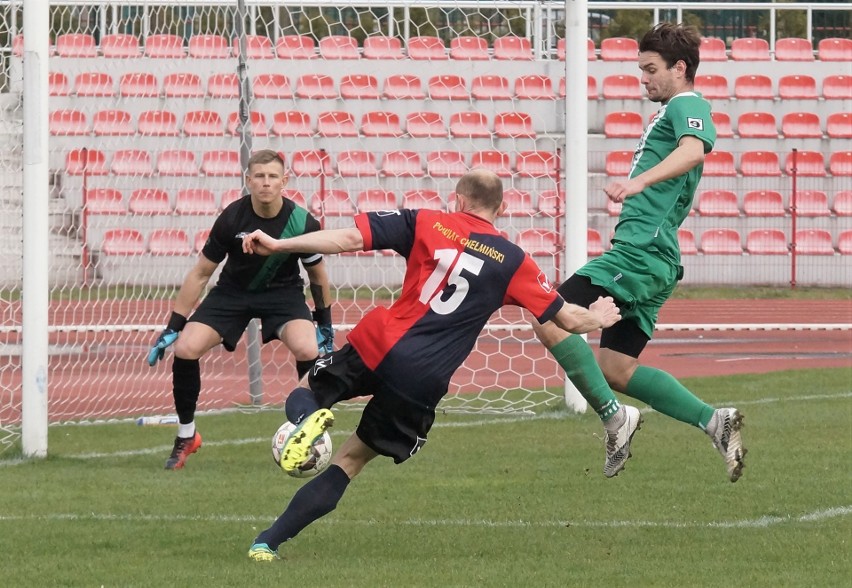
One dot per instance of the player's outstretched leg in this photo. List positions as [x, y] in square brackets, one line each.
[724, 430]
[262, 552]
[619, 433]
[183, 448]
[297, 449]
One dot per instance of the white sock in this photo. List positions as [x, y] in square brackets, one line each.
[187, 430]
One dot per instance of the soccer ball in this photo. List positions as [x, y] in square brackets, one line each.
[321, 451]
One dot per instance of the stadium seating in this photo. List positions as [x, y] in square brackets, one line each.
[763, 203]
[149, 202]
[801, 125]
[94, 83]
[401, 163]
[766, 242]
[131, 162]
[538, 242]
[812, 203]
[512, 48]
[86, 161]
[199, 239]
[838, 125]
[751, 125]
[518, 203]
[375, 199]
[104, 201]
[618, 163]
[749, 49]
[469, 124]
[590, 50]
[469, 48]
[164, 46]
[712, 86]
[813, 242]
[446, 163]
[591, 88]
[113, 122]
[835, 49]
[234, 194]
[594, 243]
[57, 84]
[336, 123]
[808, 163]
[382, 47]
[182, 85]
[623, 125]
[722, 122]
[447, 87]
[837, 87]
[208, 47]
[422, 199]
[139, 85]
[426, 48]
[721, 242]
[513, 125]
[311, 162]
[760, 163]
[123, 242]
[492, 160]
[490, 88]
[844, 242]
[359, 86]
[221, 163]
[534, 87]
[536, 164]
[753, 87]
[380, 124]
[551, 203]
[613, 208]
[295, 47]
[18, 45]
[794, 49]
[169, 242]
[356, 163]
[67, 122]
[292, 123]
[257, 123]
[177, 162]
[712, 49]
[76, 45]
[339, 47]
[619, 49]
[797, 87]
[271, 85]
[840, 163]
[315, 86]
[425, 124]
[120, 45]
[223, 85]
[718, 203]
[332, 203]
[257, 47]
[842, 203]
[403, 87]
[686, 242]
[621, 87]
[202, 123]
[717, 163]
[195, 201]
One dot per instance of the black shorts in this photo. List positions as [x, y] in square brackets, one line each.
[390, 425]
[625, 336]
[229, 311]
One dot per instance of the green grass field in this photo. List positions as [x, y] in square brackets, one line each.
[490, 501]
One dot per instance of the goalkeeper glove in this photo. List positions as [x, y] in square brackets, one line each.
[166, 338]
[325, 331]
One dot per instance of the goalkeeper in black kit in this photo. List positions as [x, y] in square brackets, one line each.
[268, 288]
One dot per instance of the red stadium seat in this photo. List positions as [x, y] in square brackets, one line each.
[538, 242]
[534, 87]
[270, 85]
[518, 203]
[223, 85]
[718, 203]
[164, 46]
[619, 49]
[426, 48]
[67, 123]
[753, 125]
[339, 47]
[200, 239]
[403, 87]
[837, 87]
[812, 203]
[712, 86]
[86, 162]
[536, 164]
[113, 122]
[202, 123]
[257, 124]
[835, 49]
[425, 124]
[57, 84]
[840, 163]
[490, 88]
[492, 160]
[623, 125]
[139, 85]
[766, 242]
[292, 123]
[423, 199]
[446, 164]
[380, 124]
[149, 201]
[120, 45]
[356, 163]
[76, 45]
[312, 162]
[800, 125]
[844, 242]
[177, 162]
[618, 163]
[257, 47]
[838, 125]
[808, 163]
[621, 87]
[842, 205]
[469, 124]
[813, 242]
[94, 83]
[18, 45]
[614, 208]
[763, 203]
[718, 163]
[359, 86]
[336, 123]
[551, 203]
[722, 122]
[712, 49]
[182, 85]
[794, 49]
[104, 201]
[382, 47]
[402, 164]
[131, 162]
[221, 163]
[749, 49]
[295, 47]
[753, 87]
[760, 163]
[469, 48]
[447, 87]
[721, 242]
[123, 242]
[295, 196]
[512, 48]
[374, 200]
[590, 50]
[594, 243]
[686, 242]
[513, 125]
[195, 201]
[234, 194]
[797, 88]
[169, 242]
[315, 86]
[332, 203]
[209, 47]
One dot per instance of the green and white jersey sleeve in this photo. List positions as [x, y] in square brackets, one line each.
[649, 220]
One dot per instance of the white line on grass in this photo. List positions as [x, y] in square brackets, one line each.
[758, 523]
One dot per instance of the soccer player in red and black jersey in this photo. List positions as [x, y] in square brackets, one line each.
[459, 270]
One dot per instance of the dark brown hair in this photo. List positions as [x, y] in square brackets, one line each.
[266, 156]
[674, 42]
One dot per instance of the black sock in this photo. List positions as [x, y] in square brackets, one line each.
[315, 499]
[304, 366]
[300, 404]
[186, 385]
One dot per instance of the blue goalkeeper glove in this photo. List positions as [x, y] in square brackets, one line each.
[325, 331]
[166, 338]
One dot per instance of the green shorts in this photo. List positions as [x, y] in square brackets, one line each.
[639, 281]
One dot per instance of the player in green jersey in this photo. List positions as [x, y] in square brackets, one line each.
[643, 267]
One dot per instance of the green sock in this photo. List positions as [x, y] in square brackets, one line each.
[577, 359]
[665, 394]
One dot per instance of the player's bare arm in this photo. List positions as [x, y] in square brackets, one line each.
[327, 241]
[689, 153]
[601, 313]
[193, 285]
